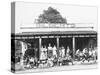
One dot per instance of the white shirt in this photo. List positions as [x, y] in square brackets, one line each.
[42, 56]
[54, 50]
[63, 52]
[84, 51]
[77, 52]
[90, 52]
[49, 48]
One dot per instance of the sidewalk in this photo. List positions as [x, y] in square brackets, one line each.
[62, 68]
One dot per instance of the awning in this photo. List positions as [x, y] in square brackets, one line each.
[58, 33]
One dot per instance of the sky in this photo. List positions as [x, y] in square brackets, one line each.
[27, 12]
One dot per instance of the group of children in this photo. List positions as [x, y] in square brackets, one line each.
[49, 52]
[86, 54]
[48, 57]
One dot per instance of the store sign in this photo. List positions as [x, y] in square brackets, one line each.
[54, 25]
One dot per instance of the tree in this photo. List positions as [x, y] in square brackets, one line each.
[51, 15]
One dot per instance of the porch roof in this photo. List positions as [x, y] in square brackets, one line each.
[58, 33]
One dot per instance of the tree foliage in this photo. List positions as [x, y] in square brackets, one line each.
[51, 15]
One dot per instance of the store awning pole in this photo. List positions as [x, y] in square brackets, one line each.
[40, 43]
[73, 39]
[57, 42]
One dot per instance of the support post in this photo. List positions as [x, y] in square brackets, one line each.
[40, 43]
[57, 42]
[57, 46]
[73, 47]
